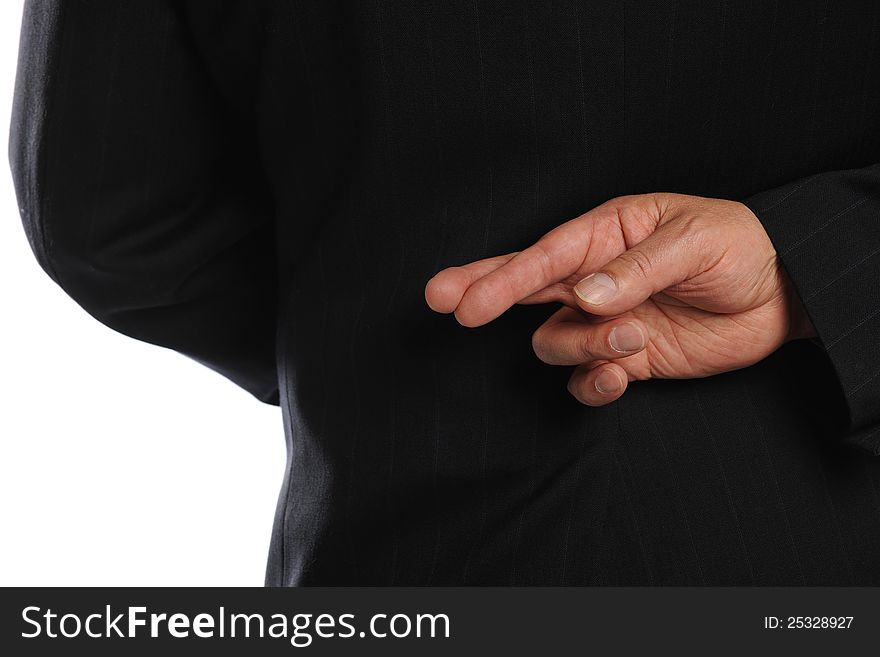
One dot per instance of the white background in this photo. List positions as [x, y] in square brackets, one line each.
[121, 463]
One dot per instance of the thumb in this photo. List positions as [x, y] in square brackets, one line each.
[665, 258]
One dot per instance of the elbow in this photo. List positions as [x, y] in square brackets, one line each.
[103, 279]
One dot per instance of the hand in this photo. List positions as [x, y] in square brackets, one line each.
[654, 286]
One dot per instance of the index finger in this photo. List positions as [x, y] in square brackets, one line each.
[554, 257]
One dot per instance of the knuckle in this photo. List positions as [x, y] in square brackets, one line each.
[544, 260]
[585, 348]
[636, 263]
[694, 226]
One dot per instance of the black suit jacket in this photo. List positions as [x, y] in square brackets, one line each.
[266, 187]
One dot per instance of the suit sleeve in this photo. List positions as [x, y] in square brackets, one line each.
[826, 230]
[140, 194]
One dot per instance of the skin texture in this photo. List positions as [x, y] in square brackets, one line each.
[692, 287]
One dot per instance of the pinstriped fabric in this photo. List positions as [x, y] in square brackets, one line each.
[536, 165]
[721, 35]
[708, 433]
[667, 86]
[653, 427]
[582, 88]
[768, 88]
[630, 488]
[476, 545]
[441, 219]
[566, 544]
[817, 80]
[319, 161]
[390, 183]
[771, 468]
[838, 532]
[869, 79]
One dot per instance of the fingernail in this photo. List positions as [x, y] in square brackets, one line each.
[626, 337]
[596, 288]
[607, 381]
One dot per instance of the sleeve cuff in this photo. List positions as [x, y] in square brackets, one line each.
[826, 231]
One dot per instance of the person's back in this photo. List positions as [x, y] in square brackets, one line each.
[213, 176]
